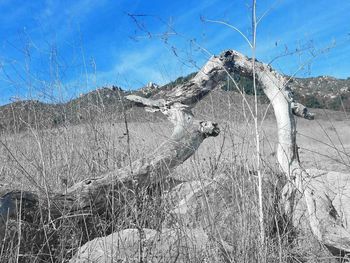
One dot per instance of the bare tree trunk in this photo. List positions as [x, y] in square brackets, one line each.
[326, 193]
[93, 198]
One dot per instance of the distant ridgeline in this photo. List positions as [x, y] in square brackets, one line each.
[23, 114]
[315, 92]
[107, 103]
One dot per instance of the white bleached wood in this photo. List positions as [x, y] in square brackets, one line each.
[326, 193]
[92, 197]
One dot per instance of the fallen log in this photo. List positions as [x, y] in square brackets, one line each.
[145, 171]
[37, 218]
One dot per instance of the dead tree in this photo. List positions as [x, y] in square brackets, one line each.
[326, 193]
[94, 197]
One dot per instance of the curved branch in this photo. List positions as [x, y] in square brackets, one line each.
[230, 26]
[90, 194]
[208, 78]
[92, 197]
[326, 193]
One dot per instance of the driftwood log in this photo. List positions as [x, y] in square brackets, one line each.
[326, 193]
[106, 196]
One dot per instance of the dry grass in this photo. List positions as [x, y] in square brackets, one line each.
[58, 158]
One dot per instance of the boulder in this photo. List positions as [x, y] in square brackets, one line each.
[169, 245]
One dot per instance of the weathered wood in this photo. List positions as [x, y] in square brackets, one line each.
[326, 193]
[116, 197]
[208, 78]
[89, 194]
[118, 191]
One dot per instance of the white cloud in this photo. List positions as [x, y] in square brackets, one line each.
[132, 69]
[130, 60]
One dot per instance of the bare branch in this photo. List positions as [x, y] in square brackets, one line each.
[300, 110]
[326, 193]
[230, 26]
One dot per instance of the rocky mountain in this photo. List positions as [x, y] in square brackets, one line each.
[107, 103]
[323, 92]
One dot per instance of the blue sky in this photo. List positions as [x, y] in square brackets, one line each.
[54, 50]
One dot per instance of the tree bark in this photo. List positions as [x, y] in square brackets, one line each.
[113, 196]
[326, 193]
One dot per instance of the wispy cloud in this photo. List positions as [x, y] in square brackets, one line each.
[63, 37]
[131, 69]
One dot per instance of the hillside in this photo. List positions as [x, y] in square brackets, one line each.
[101, 104]
[323, 92]
[107, 103]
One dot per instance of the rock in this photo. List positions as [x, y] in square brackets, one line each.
[170, 245]
[186, 234]
[189, 203]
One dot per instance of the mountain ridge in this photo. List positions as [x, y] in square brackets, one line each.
[108, 103]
